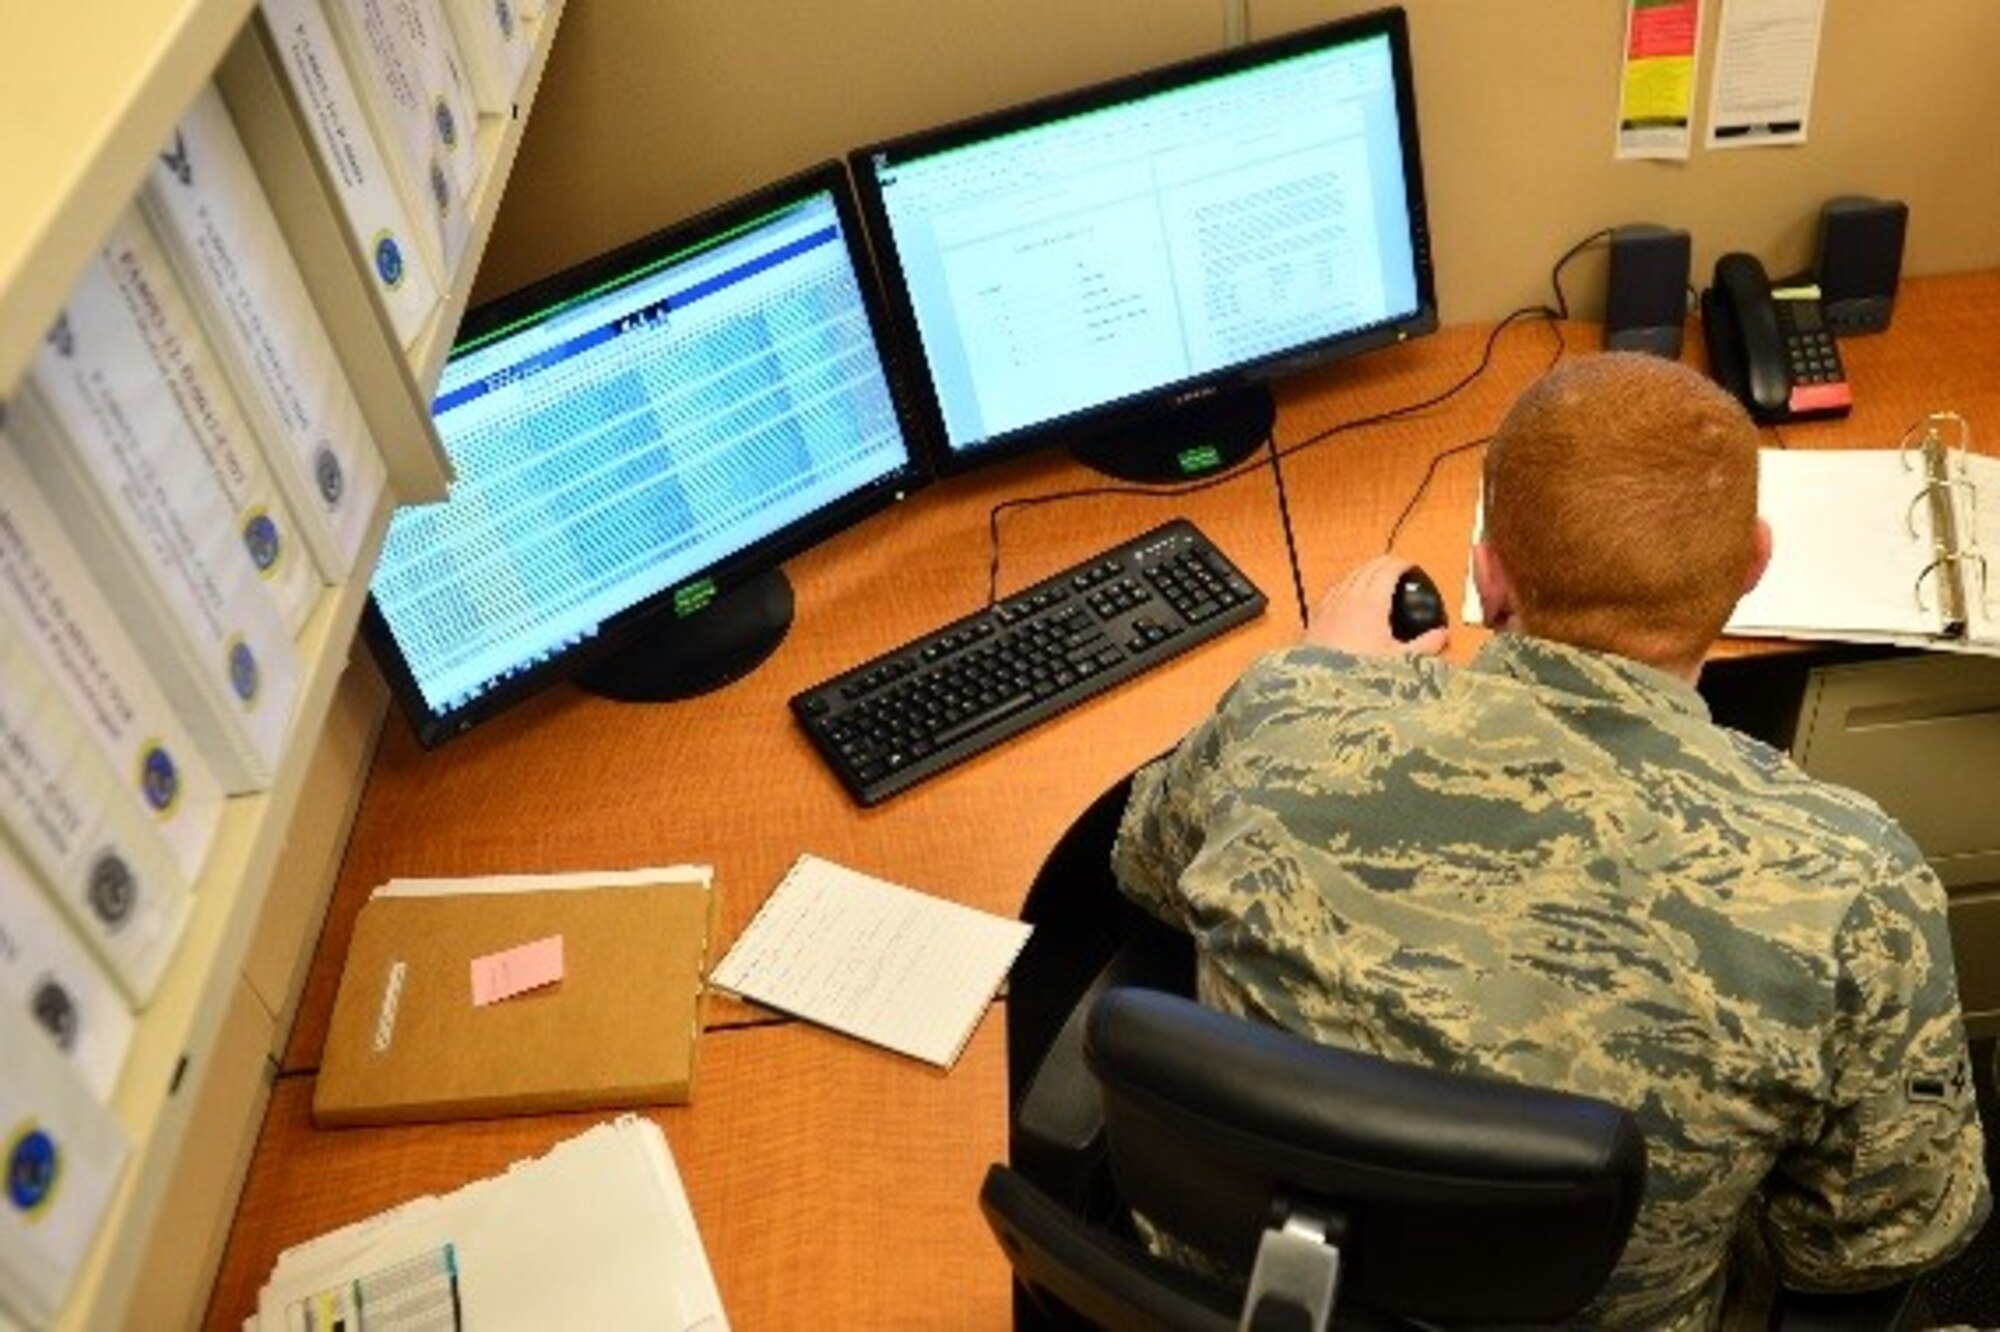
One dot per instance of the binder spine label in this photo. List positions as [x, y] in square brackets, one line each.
[212, 215]
[45, 972]
[47, 595]
[108, 870]
[403, 276]
[166, 323]
[158, 531]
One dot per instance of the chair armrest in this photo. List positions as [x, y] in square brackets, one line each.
[1056, 1138]
[1111, 1282]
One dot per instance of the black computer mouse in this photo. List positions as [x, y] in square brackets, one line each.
[1415, 607]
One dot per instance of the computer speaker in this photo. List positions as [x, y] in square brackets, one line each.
[1645, 302]
[1860, 258]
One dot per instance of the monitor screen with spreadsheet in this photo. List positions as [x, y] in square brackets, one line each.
[1124, 268]
[637, 442]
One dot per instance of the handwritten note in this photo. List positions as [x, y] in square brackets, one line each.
[513, 971]
[873, 959]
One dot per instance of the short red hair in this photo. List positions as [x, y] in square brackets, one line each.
[1621, 501]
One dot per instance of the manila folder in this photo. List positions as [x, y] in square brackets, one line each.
[407, 1042]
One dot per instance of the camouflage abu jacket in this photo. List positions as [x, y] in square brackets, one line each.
[1551, 866]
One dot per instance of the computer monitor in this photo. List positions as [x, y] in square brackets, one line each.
[1123, 268]
[638, 442]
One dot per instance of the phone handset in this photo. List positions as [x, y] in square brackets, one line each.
[1772, 348]
[1746, 296]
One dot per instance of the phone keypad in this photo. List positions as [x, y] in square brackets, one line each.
[1811, 349]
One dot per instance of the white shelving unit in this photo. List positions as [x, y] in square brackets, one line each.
[94, 85]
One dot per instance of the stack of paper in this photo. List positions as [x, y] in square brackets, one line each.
[597, 1233]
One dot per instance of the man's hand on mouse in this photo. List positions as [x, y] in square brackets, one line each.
[1354, 616]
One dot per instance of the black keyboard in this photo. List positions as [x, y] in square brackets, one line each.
[940, 699]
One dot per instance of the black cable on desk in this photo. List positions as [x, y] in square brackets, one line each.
[1430, 471]
[1249, 465]
[1285, 522]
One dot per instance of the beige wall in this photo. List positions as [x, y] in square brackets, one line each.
[653, 109]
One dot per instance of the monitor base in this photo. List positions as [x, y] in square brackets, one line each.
[1187, 442]
[717, 645]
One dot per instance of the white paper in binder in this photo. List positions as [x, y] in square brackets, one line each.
[64, 1153]
[494, 42]
[398, 95]
[391, 248]
[47, 973]
[217, 227]
[268, 534]
[105, 868]
[596, 1233]
[101, 433]
[50, 602]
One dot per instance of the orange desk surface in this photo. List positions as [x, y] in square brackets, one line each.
[835, 1184]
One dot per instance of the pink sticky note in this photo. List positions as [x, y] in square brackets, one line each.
[512, 971]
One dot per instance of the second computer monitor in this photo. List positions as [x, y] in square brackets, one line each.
[640, 442]
[1122, 269]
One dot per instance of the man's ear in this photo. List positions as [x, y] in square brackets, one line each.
[1760, 559]
[1496, 590]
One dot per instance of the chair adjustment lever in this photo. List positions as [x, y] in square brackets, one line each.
[1294, 1279]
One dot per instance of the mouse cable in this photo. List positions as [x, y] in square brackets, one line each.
[1430, 471]
[1465, 381]
[1285, 525]
[1235, 473]
[1250, 464]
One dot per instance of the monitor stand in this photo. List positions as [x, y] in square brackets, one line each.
[675, 658]
[1186, 442]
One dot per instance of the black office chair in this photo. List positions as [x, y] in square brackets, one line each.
[1321, 1173]
[1299, 1171]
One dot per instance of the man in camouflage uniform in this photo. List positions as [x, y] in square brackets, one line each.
[1551, 866]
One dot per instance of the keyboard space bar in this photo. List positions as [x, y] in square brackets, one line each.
[979, 721]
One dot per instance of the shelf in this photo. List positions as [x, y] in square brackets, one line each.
[88, 90]
[95, 88]
[178, 1030]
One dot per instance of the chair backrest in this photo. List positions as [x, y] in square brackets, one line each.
[1452, 1197]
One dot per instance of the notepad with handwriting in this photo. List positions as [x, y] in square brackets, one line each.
[872, 959]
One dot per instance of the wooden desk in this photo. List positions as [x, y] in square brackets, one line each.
[834, 1184]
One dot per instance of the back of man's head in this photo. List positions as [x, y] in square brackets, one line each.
[1621, 500]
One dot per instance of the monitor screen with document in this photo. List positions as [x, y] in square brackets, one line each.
[1120, 269]
[638, 442]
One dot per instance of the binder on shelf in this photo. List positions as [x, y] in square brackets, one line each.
[65, 1153]
[494, 42]
[48, 974]
[1881, 545]
[267, 533]
[409, 1040]
[223, 239]
[107, 870]
[454, 110]
[411, 121]
[386, 234]
[100, 431]
[49, 602]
